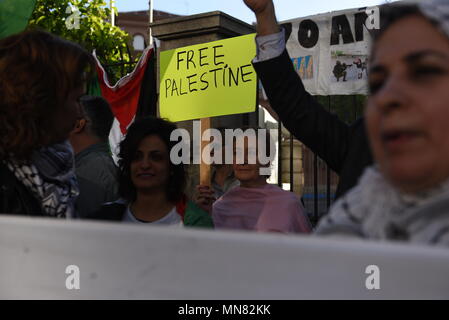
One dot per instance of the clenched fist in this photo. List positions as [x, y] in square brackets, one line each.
[266, 18]
[259, 6]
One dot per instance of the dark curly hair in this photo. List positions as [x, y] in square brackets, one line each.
[38, 71]
[138, 131]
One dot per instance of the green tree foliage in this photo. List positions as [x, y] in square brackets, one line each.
[94, 32]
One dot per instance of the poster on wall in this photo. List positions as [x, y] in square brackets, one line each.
[330, 51]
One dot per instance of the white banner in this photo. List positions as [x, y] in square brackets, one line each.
[61, 259]
[331, 51]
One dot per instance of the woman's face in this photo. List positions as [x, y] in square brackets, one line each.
[151, 165]
[408, 110]
[248, 172]
[65, 118]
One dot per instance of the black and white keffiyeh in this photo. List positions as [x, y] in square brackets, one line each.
[374, 209]
[51, 178]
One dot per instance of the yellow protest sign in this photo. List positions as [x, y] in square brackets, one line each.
[209, 79]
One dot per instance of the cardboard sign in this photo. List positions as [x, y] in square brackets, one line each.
[209, 79]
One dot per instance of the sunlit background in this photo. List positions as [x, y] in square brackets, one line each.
[285, 9]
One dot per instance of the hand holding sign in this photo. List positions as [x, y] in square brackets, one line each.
[205, 198]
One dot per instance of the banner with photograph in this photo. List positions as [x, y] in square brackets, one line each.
[331, 51]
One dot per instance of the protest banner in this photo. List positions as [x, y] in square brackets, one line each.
[209, 79]
[330, 51]
[62, 259]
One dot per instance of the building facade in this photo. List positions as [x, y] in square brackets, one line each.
[135, 23]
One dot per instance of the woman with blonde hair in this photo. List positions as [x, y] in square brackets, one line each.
[255, 205]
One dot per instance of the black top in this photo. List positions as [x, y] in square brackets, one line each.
[343, 147]
[15, 198]
[113, 211]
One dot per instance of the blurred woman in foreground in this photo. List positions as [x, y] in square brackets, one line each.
[405, 195]
[42, 78]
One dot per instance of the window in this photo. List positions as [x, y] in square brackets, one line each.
[139, 42]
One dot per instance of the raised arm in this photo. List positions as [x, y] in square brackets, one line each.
[300, 113]
[265, 15]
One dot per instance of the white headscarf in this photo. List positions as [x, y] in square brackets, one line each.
[437, 11]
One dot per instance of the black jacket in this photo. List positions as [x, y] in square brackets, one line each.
[343, 147]
[15, 198]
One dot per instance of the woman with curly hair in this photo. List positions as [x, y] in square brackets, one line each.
[41, 79]
[151, 186]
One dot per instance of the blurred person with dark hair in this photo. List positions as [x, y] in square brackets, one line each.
[42, 78]
[151, 186]
[223, 178]
[404, 195]
[95, 170]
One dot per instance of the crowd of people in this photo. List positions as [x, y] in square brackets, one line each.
[394, 176]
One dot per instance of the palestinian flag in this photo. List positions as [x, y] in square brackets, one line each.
[14, 16]
[132, 97]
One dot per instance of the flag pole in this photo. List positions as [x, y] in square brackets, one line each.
[151, 21]
[112, 4]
